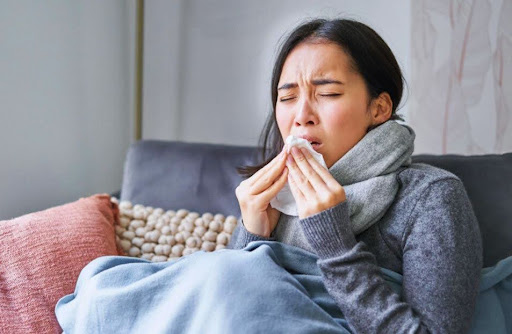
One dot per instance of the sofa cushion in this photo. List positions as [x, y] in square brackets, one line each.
[41, 256]
[488, 182]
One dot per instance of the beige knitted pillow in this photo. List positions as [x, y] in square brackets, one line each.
[158, 235]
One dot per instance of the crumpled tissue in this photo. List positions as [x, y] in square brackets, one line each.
[284, 200]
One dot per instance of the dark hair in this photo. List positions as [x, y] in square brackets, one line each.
[370, 56]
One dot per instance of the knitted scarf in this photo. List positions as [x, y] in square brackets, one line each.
[368, 174]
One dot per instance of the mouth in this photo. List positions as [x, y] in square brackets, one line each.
[316, 146]
[312, 140]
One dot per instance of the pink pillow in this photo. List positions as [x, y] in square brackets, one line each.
[42, 254]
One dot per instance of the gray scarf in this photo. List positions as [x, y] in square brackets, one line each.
[368, 174]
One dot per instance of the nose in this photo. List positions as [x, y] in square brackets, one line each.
[305, 113]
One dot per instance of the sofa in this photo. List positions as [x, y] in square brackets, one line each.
[202, 177]
[42, 253]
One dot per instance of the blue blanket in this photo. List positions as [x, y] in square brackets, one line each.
[215, 293]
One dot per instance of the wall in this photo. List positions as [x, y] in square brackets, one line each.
[461, 69]
[66, 73]
[211, 64]
[162, 64]
[208, 63]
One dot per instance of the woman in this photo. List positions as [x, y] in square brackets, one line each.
[337, 84]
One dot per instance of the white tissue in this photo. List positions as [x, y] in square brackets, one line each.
[284, 200]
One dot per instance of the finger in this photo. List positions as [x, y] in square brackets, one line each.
[299, 178]
[278, 160]
[303, 161]
[323, 172]
[268, 178]
[272, 191]
[296, 192]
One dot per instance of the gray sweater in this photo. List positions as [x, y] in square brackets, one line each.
[430, 235]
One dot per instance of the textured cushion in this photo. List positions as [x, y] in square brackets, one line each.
[488, 182]
[41, 256]
[157, 235]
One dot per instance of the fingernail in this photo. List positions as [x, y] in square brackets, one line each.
[290, 159]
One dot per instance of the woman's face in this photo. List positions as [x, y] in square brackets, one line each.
[322, 98]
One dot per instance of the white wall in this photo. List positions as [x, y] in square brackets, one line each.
[162, 56]
[66, 91]
[208, 78]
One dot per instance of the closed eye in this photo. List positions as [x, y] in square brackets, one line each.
[284, 99]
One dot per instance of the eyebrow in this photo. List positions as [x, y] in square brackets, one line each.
[314, 82]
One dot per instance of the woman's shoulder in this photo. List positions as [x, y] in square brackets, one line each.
[420, 182]
[422, 188]
[437, 205]
[419, 176]
[426, 194]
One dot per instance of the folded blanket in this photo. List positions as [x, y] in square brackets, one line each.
[267, 287]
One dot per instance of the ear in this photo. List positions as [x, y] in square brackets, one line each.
[381, 109]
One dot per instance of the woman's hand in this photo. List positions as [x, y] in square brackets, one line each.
[312, 186]
[255, 193]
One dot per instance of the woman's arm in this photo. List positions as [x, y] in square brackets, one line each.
[241, 237]
[442, 261]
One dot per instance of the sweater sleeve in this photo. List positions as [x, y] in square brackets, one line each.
[241, 237]
[442, 260]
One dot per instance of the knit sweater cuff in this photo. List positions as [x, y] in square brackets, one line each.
[329, 232]
[245, 237]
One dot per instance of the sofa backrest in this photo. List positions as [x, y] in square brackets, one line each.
[202, 178]
[175, 175]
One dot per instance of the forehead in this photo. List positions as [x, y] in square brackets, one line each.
[310, 60]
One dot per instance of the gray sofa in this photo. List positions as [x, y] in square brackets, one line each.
[203, 178]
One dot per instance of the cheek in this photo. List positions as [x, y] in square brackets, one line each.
[338, 118]
[349, 114]
[346, 125]
[283, 122]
